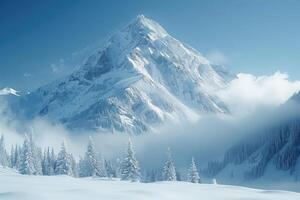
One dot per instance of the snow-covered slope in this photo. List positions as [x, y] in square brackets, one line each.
[21, 187]
[142, 78]
[294, 99]
[272, 150]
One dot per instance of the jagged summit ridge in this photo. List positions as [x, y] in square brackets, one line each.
[140, 79]
[143, 26]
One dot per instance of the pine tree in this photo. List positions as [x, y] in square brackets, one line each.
[169, 172]
[36, 155]
[130, 167]
[91, 160]
[45, 164]
[53, 160]
[4, 159]
[26, 159]
[74, 166]
[48, 162]
[37, 159]
[193, 175]
[17, 155]
[90, 165]
[63, 163]
[110, 171]
[81, 166]
[118, 167]
[102, 168]
[12, 157]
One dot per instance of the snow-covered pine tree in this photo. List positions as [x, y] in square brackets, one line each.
[37, 156]
[17, 156]
[90, 165]
[193, 175]
[53, 160]
[118, 167]
[110, 171]
[81, 166]
[4, 159]
[45, 164]
[91, 159]
[26, 165]
[74, 166]
[63, 163]
[12, 157]
[130, 167]
[102, 169]
[37, 153]
[169, 172]
[48, 163]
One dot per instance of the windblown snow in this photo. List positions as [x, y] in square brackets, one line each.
[14, 186]
[140, 79]
[9, 91]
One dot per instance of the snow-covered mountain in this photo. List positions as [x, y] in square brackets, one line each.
[272, 151]
[140, 79]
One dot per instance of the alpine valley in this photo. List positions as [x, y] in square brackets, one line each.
[142, 79]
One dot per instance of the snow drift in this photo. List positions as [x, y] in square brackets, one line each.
[14, 186]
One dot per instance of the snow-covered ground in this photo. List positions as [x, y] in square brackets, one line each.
[14, 187]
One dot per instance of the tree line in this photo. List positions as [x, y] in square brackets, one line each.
[29, 159]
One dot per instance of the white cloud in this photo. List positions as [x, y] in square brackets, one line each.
[248, 92]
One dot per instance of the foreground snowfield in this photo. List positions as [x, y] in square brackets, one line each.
[14, 187]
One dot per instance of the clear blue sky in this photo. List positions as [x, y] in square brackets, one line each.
[256, 36]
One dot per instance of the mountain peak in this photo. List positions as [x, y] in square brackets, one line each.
[141, 17]
[139, 31]
[144, 26]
